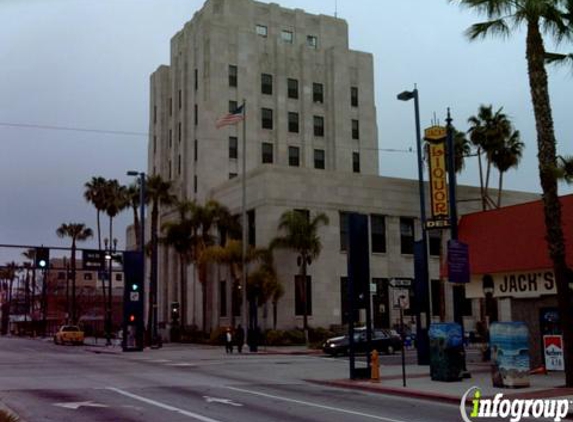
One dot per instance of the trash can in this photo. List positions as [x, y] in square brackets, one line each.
[446, 351]
[509, 345]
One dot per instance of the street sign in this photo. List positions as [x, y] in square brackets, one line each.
[401, 282]
[134, 296]
[401, 298]
[93, 259]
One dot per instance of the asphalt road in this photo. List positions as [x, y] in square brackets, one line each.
[44, 382]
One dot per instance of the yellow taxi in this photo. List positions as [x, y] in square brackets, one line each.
[71, 334]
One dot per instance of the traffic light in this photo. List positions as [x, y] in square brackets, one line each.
[42, 257]
[175, 313]
[133, 301]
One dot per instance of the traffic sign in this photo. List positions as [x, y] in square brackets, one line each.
[93, 259]
[401, 282]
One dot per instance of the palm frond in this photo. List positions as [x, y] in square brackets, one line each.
[496, 27]
[559, 59]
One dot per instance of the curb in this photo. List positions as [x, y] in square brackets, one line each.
[103, 350]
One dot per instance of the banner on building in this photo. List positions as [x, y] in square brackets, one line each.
[553, 351]
[436, 138]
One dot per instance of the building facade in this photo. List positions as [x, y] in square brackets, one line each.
[311, 144]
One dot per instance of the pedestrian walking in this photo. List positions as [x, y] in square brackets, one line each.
[240, 338]
[229, 341]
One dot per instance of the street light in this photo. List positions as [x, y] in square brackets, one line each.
[421, 299]
[109, 258]
[153, 283]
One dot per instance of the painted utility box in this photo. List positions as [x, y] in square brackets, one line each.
[509, 343]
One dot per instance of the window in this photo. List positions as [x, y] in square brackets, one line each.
[435, 242]
[233, 147]
[304, 212]
[232, 106]
[262, 30]
[343, 231]
[195, 183]
[196, 150]
[378, 233]
[355, 130]
[319, 159]
[287, 36]
[171, 106]
[222, 298]
[170, 170]
[293, 156]
[232, 75]
[232, 175]
[118, 277]
[267, 153]
[87, 276]
[300, 296]
[251, 228]
[461, 302]
[180, 99]
[170, 138]
[356, 162]
[267, 84]
[317, 93]
[196, 79]
[179, 164]
[179, 131]
[406, 235]
[196, 115]
[293, 122]
[154, 114]
[236, 299]
[267, 118]
[154, 144]
[292, 88]
[354, 96]
[312, 41]
[318, 126]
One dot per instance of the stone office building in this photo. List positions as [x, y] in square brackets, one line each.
[311, 144]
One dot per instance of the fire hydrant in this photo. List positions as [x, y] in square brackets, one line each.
[375, 366]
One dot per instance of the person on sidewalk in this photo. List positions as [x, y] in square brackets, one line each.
[240, 338]
[229, 341]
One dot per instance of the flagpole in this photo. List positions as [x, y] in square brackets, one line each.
[244, 220]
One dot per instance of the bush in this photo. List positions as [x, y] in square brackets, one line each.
[192, 334]
[8, 417]
[319, 334]
[295, 336]
[274, 338]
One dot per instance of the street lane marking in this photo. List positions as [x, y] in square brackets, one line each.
[222, 401]
[163, 405]
[77, 405]
[320, 406]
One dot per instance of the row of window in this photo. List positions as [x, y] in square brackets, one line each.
[87, 276]
[286, 36]
[378, 235]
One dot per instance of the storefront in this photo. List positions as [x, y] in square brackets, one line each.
[511, 271]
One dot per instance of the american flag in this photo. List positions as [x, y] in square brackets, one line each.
[232, 118]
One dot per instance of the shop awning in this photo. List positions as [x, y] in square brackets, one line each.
[513, 238]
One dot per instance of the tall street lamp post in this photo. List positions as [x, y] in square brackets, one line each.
[422, 305]
[109, 252]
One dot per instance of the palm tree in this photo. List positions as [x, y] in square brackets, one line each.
[180, 235]
[301, 236]
[95, 194]
[540, 18]
[159, 194]
[487, 133]
[565, 169]
[78, 232]
[133, 199]
[507, 156]
[8, 274]
[462, 149]
[30, 301]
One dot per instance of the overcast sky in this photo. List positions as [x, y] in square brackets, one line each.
[86, 64]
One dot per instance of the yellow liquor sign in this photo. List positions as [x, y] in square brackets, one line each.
[436, 137]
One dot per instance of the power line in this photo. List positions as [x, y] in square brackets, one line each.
[74, 129]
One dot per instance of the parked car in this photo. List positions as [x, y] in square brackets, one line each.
[71, 334]
[383, 340]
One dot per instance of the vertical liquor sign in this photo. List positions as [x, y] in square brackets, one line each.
[436, 138]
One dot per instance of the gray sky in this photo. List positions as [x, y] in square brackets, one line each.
[86, 63]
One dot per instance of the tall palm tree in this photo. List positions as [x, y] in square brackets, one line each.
[541, 18]
[78, 232]
[301, 236]
[30, 290]
[159, 194]
[507, 156]
[462, 148]
[95, 194]
[180, 235]
[133, 199]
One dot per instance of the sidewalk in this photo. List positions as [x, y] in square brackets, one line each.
[419, 384]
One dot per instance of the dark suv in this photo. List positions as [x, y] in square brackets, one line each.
[383, 340]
